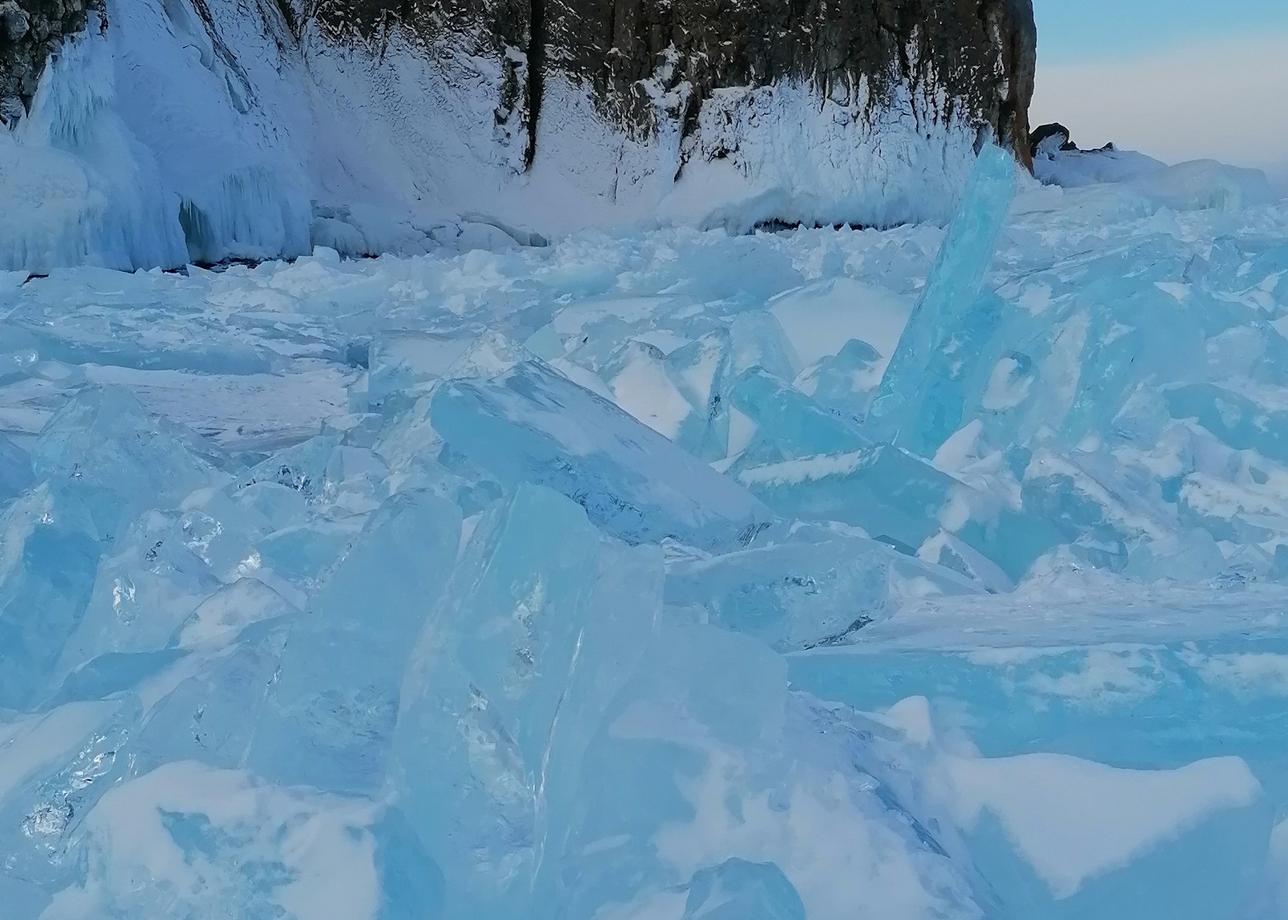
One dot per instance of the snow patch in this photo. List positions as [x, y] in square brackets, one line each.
[1074, 820]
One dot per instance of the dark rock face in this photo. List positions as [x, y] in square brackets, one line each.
[977, 57]
[360, 124]
[1047, 140]
[30, 30]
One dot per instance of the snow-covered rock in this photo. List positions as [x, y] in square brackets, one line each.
[174, 131]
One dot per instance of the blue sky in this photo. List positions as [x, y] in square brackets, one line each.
[1177, 79]
[1078, 30]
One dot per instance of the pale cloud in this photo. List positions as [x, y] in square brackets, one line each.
[1226, 99]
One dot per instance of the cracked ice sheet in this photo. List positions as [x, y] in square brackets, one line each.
[239, 411]
[1076, 611]
[245, 411]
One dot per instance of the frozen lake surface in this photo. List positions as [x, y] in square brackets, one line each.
[908, 573]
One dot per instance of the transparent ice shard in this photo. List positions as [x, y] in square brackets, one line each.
[540, 627]
[106, 447]
[146, 585]
[209, 704]
[533, 424]
[228, 611]
[918, 404]
[47, 571]
[54, 764]
[845, 382]
[700, 371]
[1234, 417]
[797, 425]
[741, 890]
[301, 467]
[901, 500]
[331, 711]
[725, 764]
[758, 340]
[817, 590]
[1174, 807]
[405, 363]
[15, 470]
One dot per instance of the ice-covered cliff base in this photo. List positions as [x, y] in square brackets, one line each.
[817, 574]
[174, 131]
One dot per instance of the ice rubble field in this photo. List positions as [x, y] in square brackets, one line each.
[810, 574]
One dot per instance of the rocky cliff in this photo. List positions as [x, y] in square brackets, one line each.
[368, 124]
[648, 62]
[30, 30]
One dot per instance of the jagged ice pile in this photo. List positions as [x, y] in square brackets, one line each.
[813, 574]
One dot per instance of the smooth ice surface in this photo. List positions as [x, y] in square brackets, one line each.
[809, 575]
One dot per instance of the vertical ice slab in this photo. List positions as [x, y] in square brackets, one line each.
[330, 717]
[541, 626]
[920, 399]
[49, 554]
